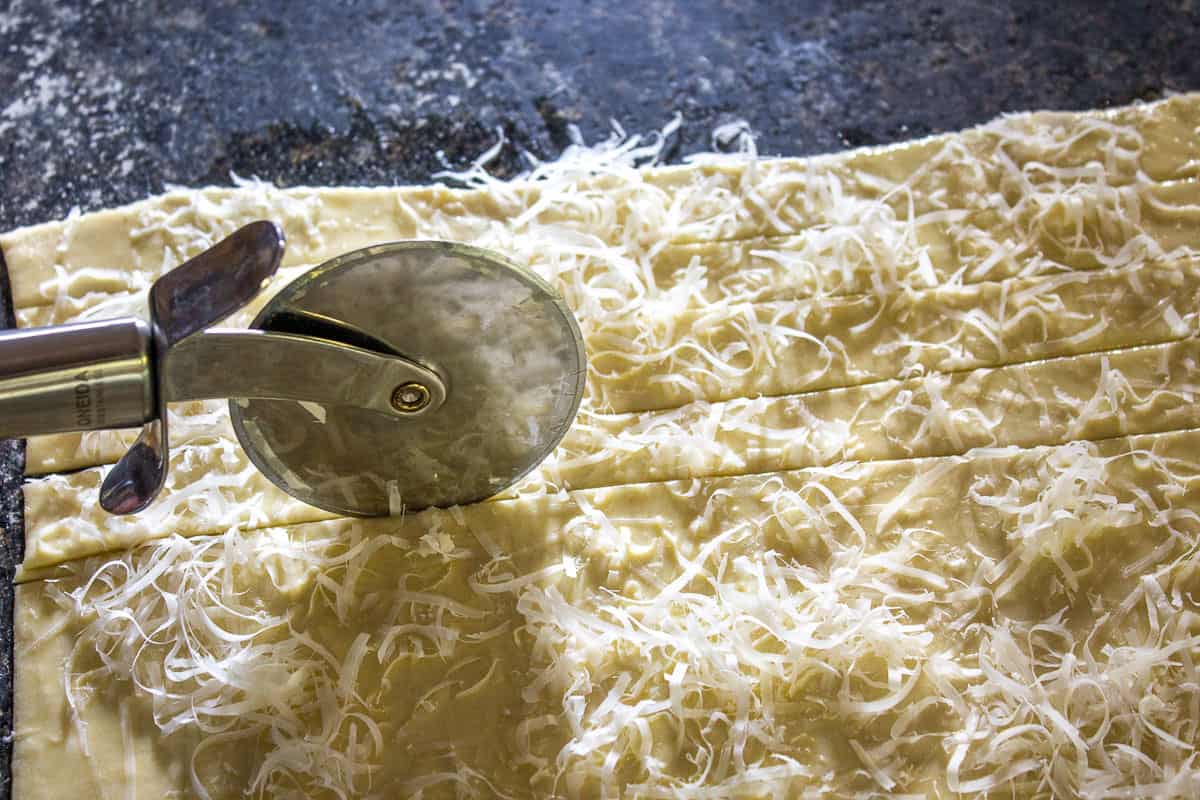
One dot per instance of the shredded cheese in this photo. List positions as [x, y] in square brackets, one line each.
[960, 594]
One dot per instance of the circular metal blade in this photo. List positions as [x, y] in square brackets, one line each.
[510, 353]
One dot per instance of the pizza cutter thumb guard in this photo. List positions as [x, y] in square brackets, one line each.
[400, 376]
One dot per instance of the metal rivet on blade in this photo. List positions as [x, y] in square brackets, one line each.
[409, 398]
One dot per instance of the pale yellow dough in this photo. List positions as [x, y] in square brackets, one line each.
[887, 481]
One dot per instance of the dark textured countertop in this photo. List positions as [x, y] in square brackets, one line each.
[104, 103]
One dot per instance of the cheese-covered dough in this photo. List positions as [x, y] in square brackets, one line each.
[886, 483]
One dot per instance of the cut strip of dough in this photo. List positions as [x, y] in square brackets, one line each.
[782, 347]
[1141, 390]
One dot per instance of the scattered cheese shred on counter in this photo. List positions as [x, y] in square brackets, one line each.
[887, 483]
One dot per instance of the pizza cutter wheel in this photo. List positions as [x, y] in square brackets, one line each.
[397, 377]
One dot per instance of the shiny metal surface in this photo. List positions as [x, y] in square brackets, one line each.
[205, 289]
[78, 377]
[136, 479]
[510, 354]
[183, 302]
[255, 364]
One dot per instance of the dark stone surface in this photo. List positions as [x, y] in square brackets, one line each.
[104, 103]
[12, 545]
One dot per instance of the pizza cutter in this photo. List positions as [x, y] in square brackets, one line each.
[400, 376]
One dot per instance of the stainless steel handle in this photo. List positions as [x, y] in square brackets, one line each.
[256, 364]
[77, 377]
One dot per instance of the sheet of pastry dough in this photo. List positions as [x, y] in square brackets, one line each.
[766, 560]
[510, 644]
